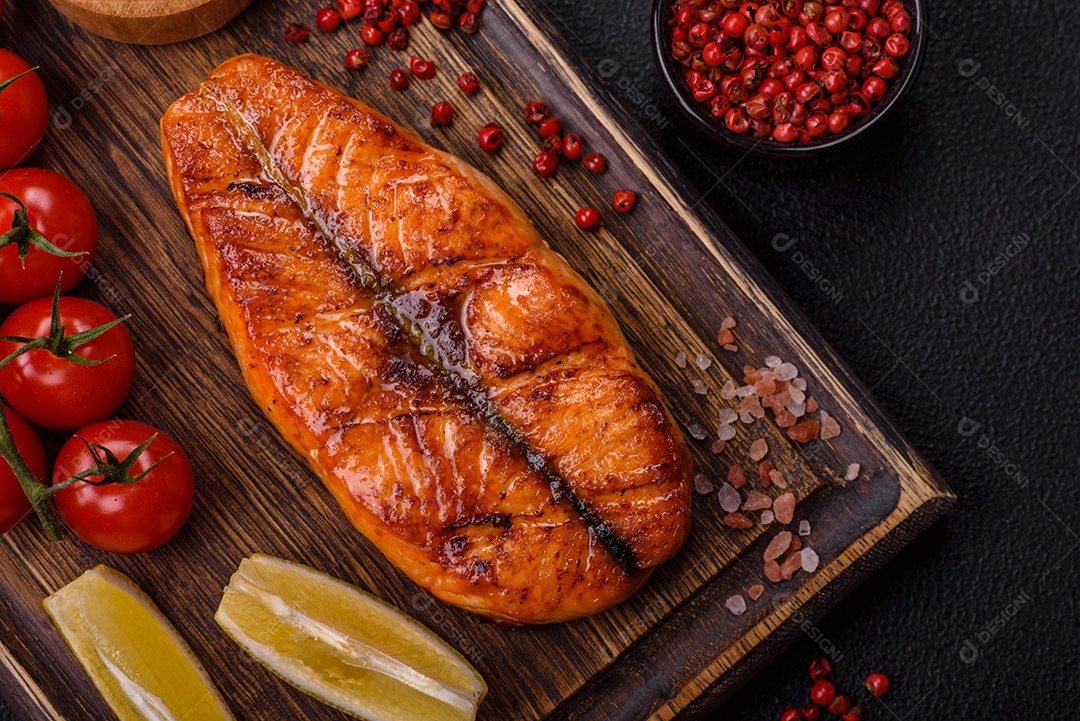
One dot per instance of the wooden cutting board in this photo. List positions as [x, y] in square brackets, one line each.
[671, 271]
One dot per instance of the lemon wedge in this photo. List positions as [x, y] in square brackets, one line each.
[132, 653]
[344, 646]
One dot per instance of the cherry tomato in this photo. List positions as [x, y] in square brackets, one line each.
[125, 518]
[14, 505]
[56, 392]
[24, 111]
[62, 213]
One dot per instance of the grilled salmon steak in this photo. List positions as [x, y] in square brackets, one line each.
[464, 394]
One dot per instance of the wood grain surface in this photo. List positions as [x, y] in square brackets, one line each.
[150, 22]
[670, 270]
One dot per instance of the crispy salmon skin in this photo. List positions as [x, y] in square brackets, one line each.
[464, 394]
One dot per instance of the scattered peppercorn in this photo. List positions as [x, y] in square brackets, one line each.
[587, 219]
[839, 705]
[878, 684]
[551, 126]
[327, 19]
[468, 83]
[296, 32]
[624, 200]
[491, 137]
[348, 9]
[792, 714]
[398, 39]
[545, 164]
[371, 35]
[820, 668]
[409, 13]
[536, 112]
[356, 59]
[853, 714]
[553, 144]
[442, 113]
[572, 147]
[595, 162]
[822, 693]
[423, 69]
[399, 79]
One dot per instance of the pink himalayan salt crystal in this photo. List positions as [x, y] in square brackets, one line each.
[697, 430]
[702, 484]
[795, 395]
[784, 508]
[680, 360]
[764, 470]
[728, 391]
[773, 361]
[738, 521]
[744, 391]
[786, 372]
[767, 517]
[810, 559]
[725, 432]
[703, 361]
[729, 498]
[736, 604]
[778, 546]
[792, 563]
[811, 404]
[852, 472]
[758, 449]
[796, 409]
[731, 347]
[746, 417]
[755, 591]
[727, 323]
[829, 427]
[796, 544]
[717, 447]
[728, 415]
[700, 388]
[757, 501]
[785, 419]
[778, 479]
[772, 571]
[799, 383]
[736, 476]
[805, 431]
[804, 528]
[725, 337]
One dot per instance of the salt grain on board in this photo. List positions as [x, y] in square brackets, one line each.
[746, 417]
[700, 388]
[778, 479]
[755, 591]
[773, 361]
[736, 476]
[758, 449]
[772, 571]
[728, 415]
[697, 430]
[756, 500]
[725, 432]
[810, 560]
[792, 563]
[799, 383]
[778, 546]
[786, 372]
[744, 391]
[680, 360]
[736, 604]
[703, 361]
[804, 528]
[728, 391]
[717, 447]
[728, 322]
[725, 336]
[767, 517]
[852, 472]
[729, 498]
[829, 427]
[702, 484]
[738, 520]
[731, 347]
[784, 508]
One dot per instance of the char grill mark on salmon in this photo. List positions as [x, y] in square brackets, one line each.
[487, 325]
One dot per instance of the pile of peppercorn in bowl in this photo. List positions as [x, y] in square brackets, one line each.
[783, 78]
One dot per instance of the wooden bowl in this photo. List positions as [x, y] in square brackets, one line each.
[150, 22]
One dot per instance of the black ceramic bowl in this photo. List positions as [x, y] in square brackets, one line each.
[672, 73]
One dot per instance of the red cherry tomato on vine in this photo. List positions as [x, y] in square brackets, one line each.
[14, 505]
[56, 392]
[62, 213]
[24, 111]
[125, 518]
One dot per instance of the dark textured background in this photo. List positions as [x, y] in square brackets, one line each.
[898, 225]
